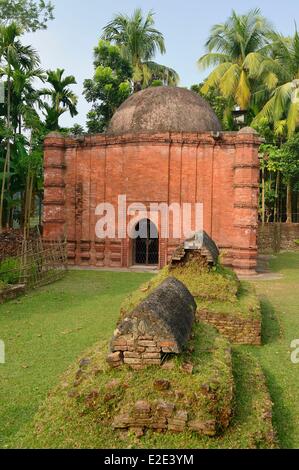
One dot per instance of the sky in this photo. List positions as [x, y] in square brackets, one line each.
[69, 40]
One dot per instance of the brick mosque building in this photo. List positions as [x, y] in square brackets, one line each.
[164, 145]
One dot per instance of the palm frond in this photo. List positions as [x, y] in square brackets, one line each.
[215, 77]
[228, 83]
[212, 58]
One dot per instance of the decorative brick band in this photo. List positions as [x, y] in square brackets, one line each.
[253, 226]
[54, 203]
[55, 221]
[54, 185]
[245, 205]
[55, 166]
[246, 185]
[246, 165]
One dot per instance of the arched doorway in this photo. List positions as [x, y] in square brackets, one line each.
[146, 245]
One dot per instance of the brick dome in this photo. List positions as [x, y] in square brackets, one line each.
[164, 109]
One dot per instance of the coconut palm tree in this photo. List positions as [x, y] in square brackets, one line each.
[139, 41]
[62, 98]
[283, 104]
[237, 48]
[282, 107]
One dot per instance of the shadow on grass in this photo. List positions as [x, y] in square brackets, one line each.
[283, 418]
[243, 399]
[271, 328]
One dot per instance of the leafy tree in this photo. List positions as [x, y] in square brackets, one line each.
[110, 86]
[237, 49]
[76, 130]
[219, 104]
[62, 98]
[31, 15]
[139, 41]
[283, 104]
[14, 57]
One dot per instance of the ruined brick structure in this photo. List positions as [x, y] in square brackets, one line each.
[164, 145]
[161, 324]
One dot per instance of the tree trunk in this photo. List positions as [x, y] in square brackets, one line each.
[6, 168]
[289, 202]
[263, 196]
[276, 204]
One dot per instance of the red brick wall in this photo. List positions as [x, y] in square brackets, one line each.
[222, 173]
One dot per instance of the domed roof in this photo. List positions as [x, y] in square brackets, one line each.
[164, 109]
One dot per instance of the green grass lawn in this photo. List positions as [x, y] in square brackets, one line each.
[280, 306]
[46, 330]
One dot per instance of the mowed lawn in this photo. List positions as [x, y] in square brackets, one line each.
[280, 304]
[45, 331]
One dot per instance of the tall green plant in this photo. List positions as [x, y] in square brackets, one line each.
[236, 50]
[110, 86]
[62, 98]
[139, 42]
[283, 104]
[13, 56]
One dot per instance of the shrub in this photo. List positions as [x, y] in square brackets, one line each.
[2, 286]
[9, 271]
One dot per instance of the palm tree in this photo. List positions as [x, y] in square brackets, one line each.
[237, 48]
[25, 98]
[139, 41]
[13, 56]
[283, 105]
[61, 96]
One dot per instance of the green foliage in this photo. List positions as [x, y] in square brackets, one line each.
[22, 131]
[221, 106]
[10, 271]
[235, 49]
[216, 286]
[139, 41]
[246, 303]
[76, 130]
[3, 285]
[62, 98]
[31, 15]
[109, 87]
[283, 64]
[290, 157]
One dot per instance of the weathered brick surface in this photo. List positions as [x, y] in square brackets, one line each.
[239, 330]
[222, 173]
[160, 323]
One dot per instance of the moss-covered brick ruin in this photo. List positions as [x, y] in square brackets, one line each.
[222, 300]
[160, 324]
[170, 375]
